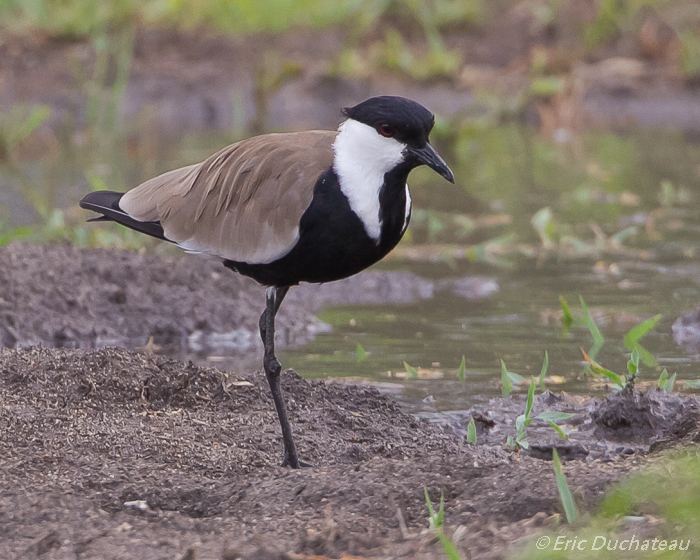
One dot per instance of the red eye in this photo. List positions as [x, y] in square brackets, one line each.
[386, 130]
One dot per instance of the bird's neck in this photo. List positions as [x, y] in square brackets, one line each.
[362, 160]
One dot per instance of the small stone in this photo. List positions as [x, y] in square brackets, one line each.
[140, 505]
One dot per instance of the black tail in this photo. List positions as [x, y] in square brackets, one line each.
[107, 204]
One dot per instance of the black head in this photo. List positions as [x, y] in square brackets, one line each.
[405, 121]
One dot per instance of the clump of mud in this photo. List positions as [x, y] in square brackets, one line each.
[62, 296]
[65, 297]
[643, 417]
[113, 453]
[624, 423]
[112, 394]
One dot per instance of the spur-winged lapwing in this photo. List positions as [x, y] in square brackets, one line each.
[311, 206]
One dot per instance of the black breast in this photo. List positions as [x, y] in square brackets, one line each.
[333, 243]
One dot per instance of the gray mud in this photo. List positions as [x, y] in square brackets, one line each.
[61, 296]
[624, 423]
[114, 454]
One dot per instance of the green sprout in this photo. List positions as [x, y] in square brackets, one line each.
[633, 337]
[543, 373]
[598, 339]
[471, 431]
[665, 382]
[436, 521]
[462, 368]
[412, 372]
[567, 499]
[620, 380]
[361, 354]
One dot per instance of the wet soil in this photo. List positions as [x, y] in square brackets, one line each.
[627, 422]
[61, 296]
[115, 454]
[111, 453]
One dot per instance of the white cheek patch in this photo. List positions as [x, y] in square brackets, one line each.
[362, 157]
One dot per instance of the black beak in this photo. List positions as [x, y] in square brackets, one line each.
[428, 156]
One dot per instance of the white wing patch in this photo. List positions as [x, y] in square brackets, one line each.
[262, 255]
[362, 157]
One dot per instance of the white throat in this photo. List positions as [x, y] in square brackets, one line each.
[362, 157]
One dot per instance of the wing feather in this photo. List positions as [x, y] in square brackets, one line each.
[243, 203]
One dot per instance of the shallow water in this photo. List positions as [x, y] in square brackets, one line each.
[518, 324]
[645, 180]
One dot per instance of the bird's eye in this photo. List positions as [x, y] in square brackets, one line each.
[386, 130]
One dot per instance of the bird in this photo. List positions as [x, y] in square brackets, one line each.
[284, 208]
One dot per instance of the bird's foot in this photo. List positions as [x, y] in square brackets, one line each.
[302, 464]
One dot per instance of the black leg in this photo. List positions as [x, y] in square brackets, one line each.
[273, 369]
[278, 297]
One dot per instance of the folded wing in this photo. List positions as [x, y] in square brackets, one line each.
[243, 203]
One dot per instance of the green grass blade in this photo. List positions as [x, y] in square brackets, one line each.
[567, 499]
[505, 380]
[551, 416]
[543, 373]
[647, 357]
[471, 431]
[633, 337]
[612, 376]
[557, 428]
[432, 519]
[361, 354]
[568, 319]
[448, 547]
[663, 378]
[412, 372]
[633, 362]
[530, 399]
[619, 380]
[598, 339]
[671, 382]
[640, 331]
[462, 368]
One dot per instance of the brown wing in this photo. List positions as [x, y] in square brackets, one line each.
[243, 203]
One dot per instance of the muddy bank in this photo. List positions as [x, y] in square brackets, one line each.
[61, 296]
[624, 423]
[182, 81]
[111, 453]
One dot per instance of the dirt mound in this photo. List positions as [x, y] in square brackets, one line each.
[65, 297]
[642, 417]
[627, 422]
[107, 453]
[62, 296]
[122, 402]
